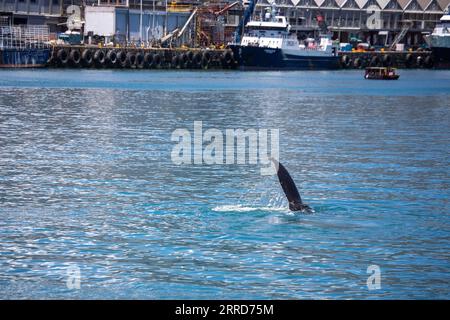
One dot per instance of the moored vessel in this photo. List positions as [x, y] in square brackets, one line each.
[269, 44]
[439, 41]
[24, 46]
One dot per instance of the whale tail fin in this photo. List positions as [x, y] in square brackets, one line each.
[289, 188]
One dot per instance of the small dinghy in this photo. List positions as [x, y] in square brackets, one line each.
[381, 73]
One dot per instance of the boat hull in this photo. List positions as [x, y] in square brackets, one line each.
[23, 58]
[259, 58]
[441, 56]
[394, 77]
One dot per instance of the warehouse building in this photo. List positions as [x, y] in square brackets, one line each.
[378, 22]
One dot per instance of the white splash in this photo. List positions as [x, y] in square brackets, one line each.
[241, 208]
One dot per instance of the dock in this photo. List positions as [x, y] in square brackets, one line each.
[396, 59]
[85, 56]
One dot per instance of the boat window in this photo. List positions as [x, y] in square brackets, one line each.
[262, 28]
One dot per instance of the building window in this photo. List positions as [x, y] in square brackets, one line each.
[55, 2]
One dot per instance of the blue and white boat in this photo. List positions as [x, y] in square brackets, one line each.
[23, 57]
[269, 44]
[24, 46]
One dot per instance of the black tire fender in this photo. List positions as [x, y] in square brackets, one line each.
[87, 58]
[111, 57]
[374, 61]
[63, 56]
[75, 57]
[148, 60]
[99, 57]
[140, 61]
[131, 59]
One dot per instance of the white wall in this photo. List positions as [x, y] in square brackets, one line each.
[100, 20]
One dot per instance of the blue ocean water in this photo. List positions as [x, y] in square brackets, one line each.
[87, 182]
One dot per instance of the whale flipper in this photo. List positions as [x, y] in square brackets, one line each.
[290, 189]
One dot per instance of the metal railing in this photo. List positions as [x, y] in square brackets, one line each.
[24, 37]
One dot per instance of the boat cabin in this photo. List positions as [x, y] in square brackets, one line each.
[443, 28]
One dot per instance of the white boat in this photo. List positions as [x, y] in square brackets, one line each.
[269, 44]
[439, 41]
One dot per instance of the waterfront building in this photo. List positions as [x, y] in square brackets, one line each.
[378, 22]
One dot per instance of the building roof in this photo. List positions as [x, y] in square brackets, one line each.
[422, 5]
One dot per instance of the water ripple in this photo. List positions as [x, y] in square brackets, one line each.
[87, 180]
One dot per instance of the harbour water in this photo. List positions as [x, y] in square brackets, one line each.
[87, 182]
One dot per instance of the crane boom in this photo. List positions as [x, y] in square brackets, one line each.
[226, 8]
[245, 19]
[179, 34]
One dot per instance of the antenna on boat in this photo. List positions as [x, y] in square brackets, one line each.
[272, 11]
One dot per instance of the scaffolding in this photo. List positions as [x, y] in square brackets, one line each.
[24, 37]
[211, 22]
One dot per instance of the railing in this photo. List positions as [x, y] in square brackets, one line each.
[4, 21]
[24, 37]
[402, 34]
[173, 7]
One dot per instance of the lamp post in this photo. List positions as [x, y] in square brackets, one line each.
[339, 26]
[153, 16]
[165, 20]
[140, 26]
